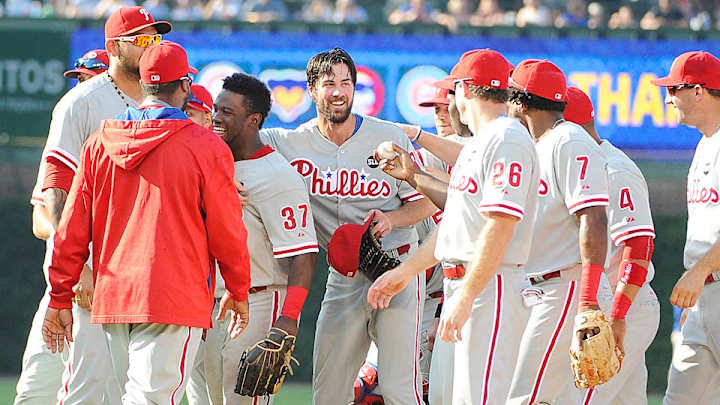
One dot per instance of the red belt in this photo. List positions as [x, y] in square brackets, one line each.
[436, 294]
[254, 290]
[547, 276]
[454, 272]
[710, 279]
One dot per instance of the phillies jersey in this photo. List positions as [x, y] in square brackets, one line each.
[344, 181]
[78, 114]
[629, 210]
[495, 172]
[703, 198]
[572, 177]
[277, 215]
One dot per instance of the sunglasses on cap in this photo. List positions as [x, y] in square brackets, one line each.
[141, 40]
[674, 89]
[91, 64]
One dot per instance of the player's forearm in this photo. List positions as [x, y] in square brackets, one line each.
[492, 245]
[432, 188]
[445, 149]
[55, 203]
[709, 262]
[41, 223]
[422, 258]
[301, 270]
[411, 213]
[593, 235]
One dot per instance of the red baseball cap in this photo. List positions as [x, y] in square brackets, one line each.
[541, 78]
[163, 63]
[697, 67]
[579, 108]
[344, 247]
[440, 98]
[92, 63]
[128, 20]
[483, 67]
[200, 98]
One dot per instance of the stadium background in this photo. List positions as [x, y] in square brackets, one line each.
[396, 68]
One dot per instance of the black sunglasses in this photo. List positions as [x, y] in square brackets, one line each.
[674, 89]
[90, 64]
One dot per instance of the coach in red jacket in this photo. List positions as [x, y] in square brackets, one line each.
[154, 194]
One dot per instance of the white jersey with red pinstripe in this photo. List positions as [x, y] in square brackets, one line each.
[628, 217]
[572, 177]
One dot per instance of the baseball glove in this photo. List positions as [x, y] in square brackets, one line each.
[263, 366]
[599, 359]
[373, 262]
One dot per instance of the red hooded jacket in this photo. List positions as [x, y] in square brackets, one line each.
[156, 199]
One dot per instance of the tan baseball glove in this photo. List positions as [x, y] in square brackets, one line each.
[264, 365]
[598, 359]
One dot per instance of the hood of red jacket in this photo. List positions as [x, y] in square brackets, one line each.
[129, 140]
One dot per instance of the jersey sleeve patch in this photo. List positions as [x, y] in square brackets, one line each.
[596, 200]
[295, 250]
[632, 232]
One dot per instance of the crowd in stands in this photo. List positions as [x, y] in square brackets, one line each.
[643, 14]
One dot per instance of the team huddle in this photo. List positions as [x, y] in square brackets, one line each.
[505, 260]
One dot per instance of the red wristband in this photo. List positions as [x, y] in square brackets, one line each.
[589, 282]
[294, 301]
[620, 306]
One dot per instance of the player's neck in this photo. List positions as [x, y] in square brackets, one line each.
[243, 147]
[541, 123]
[128, 83]
[483, 112]
[710, 127]
[337, 133]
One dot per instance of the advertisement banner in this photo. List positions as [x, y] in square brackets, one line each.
[31, 82]
[396, 72]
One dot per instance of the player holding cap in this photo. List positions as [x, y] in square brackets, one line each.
[281, 231]
[484, 237]
[128, 32]
[334, 155]
[152, 294]
[200, 106]
[569, 245]
[89, 65]
[693, 88]
[629, 269]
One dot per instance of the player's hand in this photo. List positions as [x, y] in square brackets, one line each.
[403, 167]
[57, 328]
[240, 312]
[289, 325]
[383, 226]
[432, 331]
[387, 286]
[452, 322]
[619, 327]
[84, 289]
[242, 192]
[582, 334]
[688, 289]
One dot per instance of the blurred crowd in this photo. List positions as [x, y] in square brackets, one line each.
[643, 14]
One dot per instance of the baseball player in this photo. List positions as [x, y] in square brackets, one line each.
[334, 154]
[693, 89]
[145, 271]
[200, 106]
[89, 65]
[569, 244]
[628, 265]
[281, 231]
[75, 117]
[483, 239]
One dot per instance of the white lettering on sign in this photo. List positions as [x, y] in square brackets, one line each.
[31, 77]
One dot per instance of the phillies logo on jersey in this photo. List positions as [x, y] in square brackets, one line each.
[341, 182]
[699, 194]
[464, 184]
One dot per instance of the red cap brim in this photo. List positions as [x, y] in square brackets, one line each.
[73, 73]
[447, 83]
[667, 81]
[193, 70]
[432, 102]
[162, 27]
[199, 107]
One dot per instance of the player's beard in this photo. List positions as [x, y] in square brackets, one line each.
[185, 103]
[329, 113]
[128, 65]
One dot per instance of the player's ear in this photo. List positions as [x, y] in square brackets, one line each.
[112, 47]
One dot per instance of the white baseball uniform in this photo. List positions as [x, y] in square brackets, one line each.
[280, 225]
[695, 362]
[75, 117]
[345, 183]
[628, 217]
[572, 177]
[495, 173]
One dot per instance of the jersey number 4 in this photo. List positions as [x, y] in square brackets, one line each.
[626, 199]
[290, 214]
